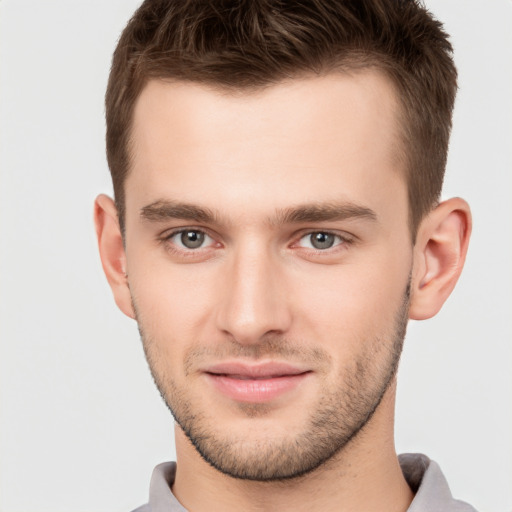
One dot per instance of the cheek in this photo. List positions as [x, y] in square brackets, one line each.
[356, 302]
[171, 300]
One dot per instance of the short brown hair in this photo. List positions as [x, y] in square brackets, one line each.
[248, 44]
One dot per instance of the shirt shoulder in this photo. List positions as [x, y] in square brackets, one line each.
[143, 508]
[161, 498]
[432, 492]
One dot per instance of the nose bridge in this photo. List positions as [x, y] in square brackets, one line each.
[253, 304]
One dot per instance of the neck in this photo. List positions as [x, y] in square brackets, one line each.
[364, 476]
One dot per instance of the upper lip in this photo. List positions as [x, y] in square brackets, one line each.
[258, 371]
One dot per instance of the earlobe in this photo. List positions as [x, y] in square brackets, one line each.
[439, 255]
[112, 253]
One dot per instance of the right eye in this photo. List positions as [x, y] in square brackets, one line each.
[190, 239]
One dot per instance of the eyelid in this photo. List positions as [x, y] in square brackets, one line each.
[170, 232]
[337, 238]
[343, 235]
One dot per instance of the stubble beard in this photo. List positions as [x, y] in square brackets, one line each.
[339, 416]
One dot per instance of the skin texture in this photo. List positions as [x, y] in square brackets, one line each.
[256, 175]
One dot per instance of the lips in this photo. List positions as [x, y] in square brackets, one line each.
[255, 383]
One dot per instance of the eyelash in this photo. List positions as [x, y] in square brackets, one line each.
[345, 241]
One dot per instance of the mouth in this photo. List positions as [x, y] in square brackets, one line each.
[247, 377]
[256, 383]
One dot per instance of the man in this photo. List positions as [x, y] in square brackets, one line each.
[277, 169]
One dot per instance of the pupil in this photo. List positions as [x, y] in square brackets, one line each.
[322, 240]
[192, 239]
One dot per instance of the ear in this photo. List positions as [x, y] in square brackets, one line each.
[112, 253]
[439, 254]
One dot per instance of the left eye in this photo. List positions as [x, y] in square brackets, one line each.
[320, 240]
[191, 239]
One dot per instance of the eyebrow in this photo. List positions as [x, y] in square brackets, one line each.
[163, 210]
[324, 212]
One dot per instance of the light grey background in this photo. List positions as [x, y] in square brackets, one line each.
[81, 423]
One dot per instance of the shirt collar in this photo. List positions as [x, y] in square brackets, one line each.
[423, 475]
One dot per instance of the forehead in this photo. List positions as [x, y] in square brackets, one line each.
[296, 141]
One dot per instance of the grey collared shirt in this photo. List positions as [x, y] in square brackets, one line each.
[423, 475]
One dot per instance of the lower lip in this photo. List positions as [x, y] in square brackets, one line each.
[256, 390]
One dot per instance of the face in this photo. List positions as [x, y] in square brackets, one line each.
[268, 259]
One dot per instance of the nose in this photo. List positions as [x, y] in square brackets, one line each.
[254, 300]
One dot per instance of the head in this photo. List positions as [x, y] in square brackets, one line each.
[277, 172]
